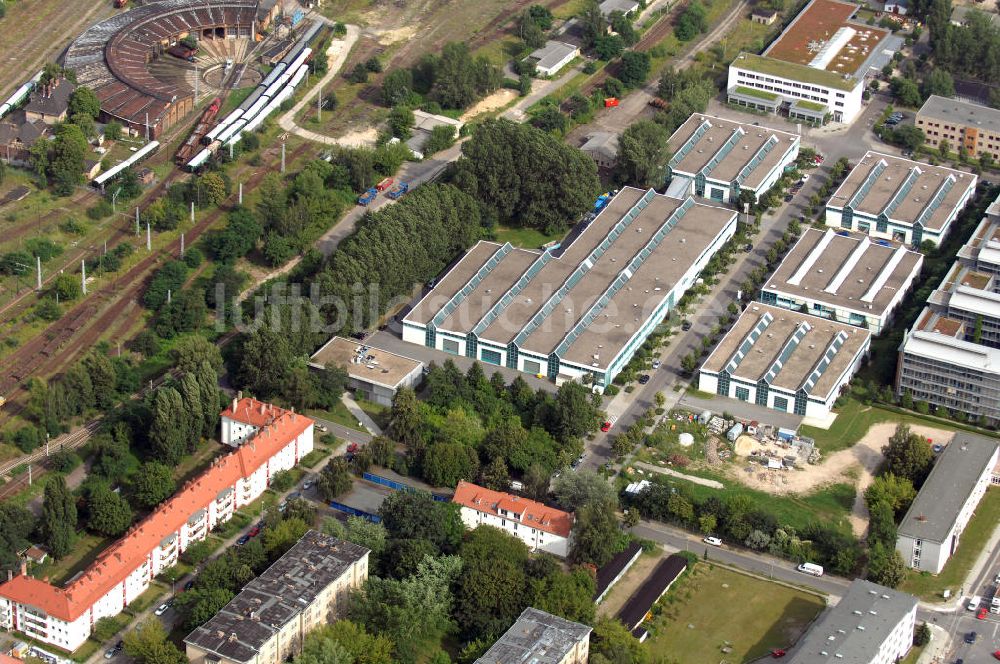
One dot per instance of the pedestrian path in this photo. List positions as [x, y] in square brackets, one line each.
[362, 417]
[712, 484]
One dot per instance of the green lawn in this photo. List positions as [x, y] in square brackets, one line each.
[914, 655]
[853, 421]
[974, 538]
[85, 550]
[714, 608]
[528, 238]
[339, 414]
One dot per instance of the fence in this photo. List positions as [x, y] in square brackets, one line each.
[347, 509]
[399, 486]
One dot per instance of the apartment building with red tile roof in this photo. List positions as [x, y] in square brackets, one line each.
[64, 616]
[541, 527]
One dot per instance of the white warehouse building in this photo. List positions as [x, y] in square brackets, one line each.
[897, 199]
[844, 277]
[931, 530]
[578, 311]
[785, 360]
[718, 159]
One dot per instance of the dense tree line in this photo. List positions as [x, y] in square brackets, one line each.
[971, 50]
[453, 79]
[525, 177]
[738, 519]
[482, 430]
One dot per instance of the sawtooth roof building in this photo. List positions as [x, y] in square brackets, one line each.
[271, 439]
[266, 623]
[718, 159]
[785, 360]
[871, 624]
[817, 68]
[578, 311]
[901, 200]
[930, 532]
[951, 356]
[844, 277]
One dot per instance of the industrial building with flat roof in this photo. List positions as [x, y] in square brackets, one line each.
[962, 124]
[377, 374]
[785, 360]
[540, 638]
[898, 199]
[931, 530]
[580, 310]
[266, 623]
[951, 356]
[817, 68]
[719, 159]
[871, 624]
[844, 277]
[552, 57]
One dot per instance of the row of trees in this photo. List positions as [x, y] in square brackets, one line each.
[453, 79]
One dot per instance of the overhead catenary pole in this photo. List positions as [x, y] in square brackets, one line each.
[240, 199]
[83, 276]
[182, 245]
[38, 267]
[147, 125]
[137, 231]
[282, 157]
[192, 212]
[319, 105]
[149, 238]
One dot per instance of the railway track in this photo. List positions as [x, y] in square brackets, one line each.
[51, 351]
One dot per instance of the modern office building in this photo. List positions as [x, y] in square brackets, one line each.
[540, 638]
[817, 68]
[932, 528]
[266, 623]
[718, 159]
[951, 356]
[845, 277]
[373, 373]
[578, 311]
[871, 624]
[961, 123]
[901, 200]
[541, 527]
[268, 439]
[785, 360]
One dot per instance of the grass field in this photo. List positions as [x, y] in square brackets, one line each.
[528, 238]
[85, 550]
[338, 414]
[974, 538]
[715, 614]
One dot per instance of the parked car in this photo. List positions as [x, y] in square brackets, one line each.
[241, 541]
[162, 608]
[656, 364]
[748, 247]
[982, 613]
[322, 428]
[973, 603]
[189, 585]
[714, 541]
[971, 637]
[805, 178]
[811, 568]
[294, 495]
[307, 485]
[253, 532]
[788, 198]
[643, 379]
[606, 427]
[996, 654]
[109, 653]
[283, 506]
[778, 653]
[686, 325]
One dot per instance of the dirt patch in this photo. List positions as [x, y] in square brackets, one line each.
[359, 139]
[624, 589]
[856, 464]
[494, 102]
[389, 37]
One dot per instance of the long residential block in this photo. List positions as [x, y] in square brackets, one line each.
[931, 530]
[785, 360]
[577, 311]
[270, 440]
[845, 277]
[267, 622]
[871, 624]
[901, 200]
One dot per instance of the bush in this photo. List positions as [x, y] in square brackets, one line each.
[101, 210]
[193, 257]
[282, 481]
[27, 438]
[64, 461]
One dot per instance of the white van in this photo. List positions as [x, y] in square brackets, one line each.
[974, 603]
[995, 605]
[811, 568]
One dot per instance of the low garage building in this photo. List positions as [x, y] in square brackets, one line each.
[373, 373]
[553, 56]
